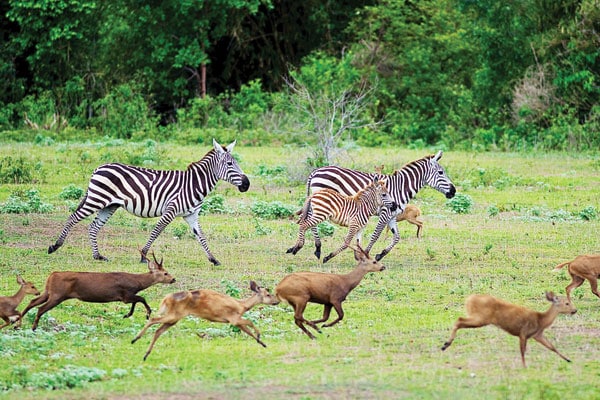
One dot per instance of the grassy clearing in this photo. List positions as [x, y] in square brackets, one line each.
[388, 345]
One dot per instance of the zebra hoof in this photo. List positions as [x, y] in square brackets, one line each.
[52, 248]
[379, 256]
[215, 262]
[100, 258]
[327, 258]
[292, 250]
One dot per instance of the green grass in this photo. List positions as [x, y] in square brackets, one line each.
[388, 345]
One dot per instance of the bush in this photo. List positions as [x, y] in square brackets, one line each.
[589, 213]
[272, 210]
[25, 202]
[71, 192]
[16, 170]
[460, 204]
[214, 204]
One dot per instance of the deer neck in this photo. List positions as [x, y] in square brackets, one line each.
[18, 297]
[250, 302]
[547, 318]
[353, 278]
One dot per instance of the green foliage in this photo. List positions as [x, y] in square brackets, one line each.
[272, 210]
[461, 203]
[215, 204]
[325, 229]
[68, 377]
[71, 192]
[27, 201]
[589, 213]
[17, 170]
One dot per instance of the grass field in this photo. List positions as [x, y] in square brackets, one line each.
[530, 212]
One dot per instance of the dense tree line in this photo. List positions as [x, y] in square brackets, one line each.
[482, 73]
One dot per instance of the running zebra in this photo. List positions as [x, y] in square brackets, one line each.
[351, 211]
[151, 193]
[402, 186]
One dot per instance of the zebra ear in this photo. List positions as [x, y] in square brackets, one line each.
[231, 146]
[218, 148]
[437, 156]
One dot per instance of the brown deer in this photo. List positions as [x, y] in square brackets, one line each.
[581, 268]
[9, 304]
[518, 321]
[411, 215]
[209, 305]
[331, 290]
[99, 287]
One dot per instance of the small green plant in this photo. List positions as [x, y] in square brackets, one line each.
[431, 253]
[16, 170]
[589, 213]
[460, 204]
[493, 211]
[272, 210]
[487, 248]
[231, 289]
[27, 201]
[179, 230]
[261, 229]
[214, 204]
[71, 192]
[326, 228]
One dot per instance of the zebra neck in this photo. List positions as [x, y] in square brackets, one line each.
[201, 175]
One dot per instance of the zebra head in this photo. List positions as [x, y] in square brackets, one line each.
[384, 196]
[436, 177]
[228, 169]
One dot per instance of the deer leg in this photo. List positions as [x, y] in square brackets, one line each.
[576, 281]
[243, 324]
[340, 312]
[523, 348]
[299, 319]
[192, 221]
[96, 225]
[462, 322]
[7, 322]
[134, 300]
[542, 340]
[152, 321]
[157, 334]
[419, 227]
[50, 304]
[326, 313]
[594, 285]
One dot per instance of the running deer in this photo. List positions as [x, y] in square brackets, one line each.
[518, 321]
[300, 288]
[581, 268]
[99, 287]
[9, 304]
[209, 305]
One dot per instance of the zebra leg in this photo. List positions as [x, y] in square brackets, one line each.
[317, 238]
[351, 234]
[77, 216]
[192, 221]
[165, 220]
[300, 242]
[96, 225]
[394, 228]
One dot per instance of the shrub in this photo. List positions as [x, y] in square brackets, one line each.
[460, 204]
[272, 210]
[589, 213]
[71, 192]
[16, 170]
[325, 228]
[25, 202]
[215, 204]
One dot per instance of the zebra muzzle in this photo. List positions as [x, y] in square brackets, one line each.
[243, 187]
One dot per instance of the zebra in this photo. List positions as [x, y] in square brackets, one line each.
[351, 211]
[402, 186]
[151, 193]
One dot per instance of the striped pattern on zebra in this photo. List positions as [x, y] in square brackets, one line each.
[351, 211]
[402, 186]
[153, 193]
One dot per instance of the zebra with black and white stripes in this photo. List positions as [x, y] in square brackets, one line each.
[151, 193]
[351, 211]
[402, 186]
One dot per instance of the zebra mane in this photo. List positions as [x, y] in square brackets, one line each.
[207, 157]
[414, 162]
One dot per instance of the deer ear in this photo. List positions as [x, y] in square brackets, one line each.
[20, 280]
[254, 286]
